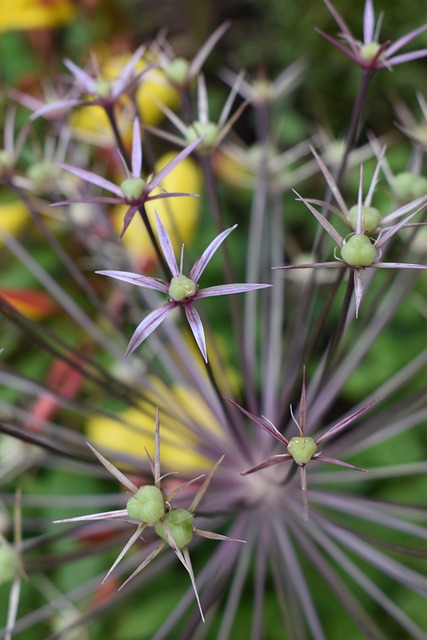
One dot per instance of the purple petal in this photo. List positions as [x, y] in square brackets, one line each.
[358, 288]
[331, 183]
[353, 54]
[321, 458]
[136, 150]
[83, 78]
[93, 178]
[323, 221]
[228, 289]
[269, 463]
[401, 42]
[171, 194]
[148, 325]
[337, 264]
[196, 327]
[368, 22]
[407, 57]
[95, 200]
[342, 424]
[203, 260]
[342, 24]
[202, 54]
[396, 265]
[136, 279]
[173, 163]
[166, 244]
[128, 218]
[58, 105]
[267, 426]
[127, 71]
[390, 233]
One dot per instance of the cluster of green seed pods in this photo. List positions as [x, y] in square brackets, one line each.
[148, 505]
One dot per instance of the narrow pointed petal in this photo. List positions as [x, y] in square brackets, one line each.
[267, 426]
[228, 289]
[396, 265]
[136, 161]
[147, 326]
[323, 221]
[284, 457]
[337, 264]
[128, 219]
[113, 470]
[198, 60]
[201, 492]
[84, 79]
[401, 42]
[203, 260]
[407, 57]
[100, 200]
[58, 105]
[321, 458]
[134, 278]
[93, 178]
[127, 546]
[127, 71]
[342, 24]
[187, 564]
[343, 423]
[215, 536]
[303, 479]
[368, 22]
[166, 244]
[352, 53]
[157, 474]
[156, 181]
[390, 233]
[303, 404]
[358, 288]
[117, 514]
[146, 562]
[331, 183]
[196, 327]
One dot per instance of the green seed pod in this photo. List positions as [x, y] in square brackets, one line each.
[358, 251]
[180, 525]
[408, 186]
[102, 89]
[207, 129]
[302, 449]
[371, 218]
[147, 505]
[369, 50]
[6, 160]
[181, 288]
[177, 70]
[8, 563]
[132, 188]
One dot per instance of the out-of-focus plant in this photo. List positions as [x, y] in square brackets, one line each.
[328, 554]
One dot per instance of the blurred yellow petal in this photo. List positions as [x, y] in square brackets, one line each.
[180, 216]
[13, 216]
[35, 14]
[90, 124]
[133, 431]
[154, 89]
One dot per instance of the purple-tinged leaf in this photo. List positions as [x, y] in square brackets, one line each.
[228, 289]
[196, 327]
[136, 279]
[167, 249]
[203, 260]
[93, 178]
[148, 325]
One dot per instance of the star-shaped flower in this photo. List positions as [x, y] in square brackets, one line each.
[182, 291]
[301, 449]
[358, 250]
[151, 506]
[134, 191]
[370, 54]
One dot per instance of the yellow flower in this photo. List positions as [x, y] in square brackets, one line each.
[133, 431]
[90, 124]
[179, 215]
[13, 216]
[35, 14]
